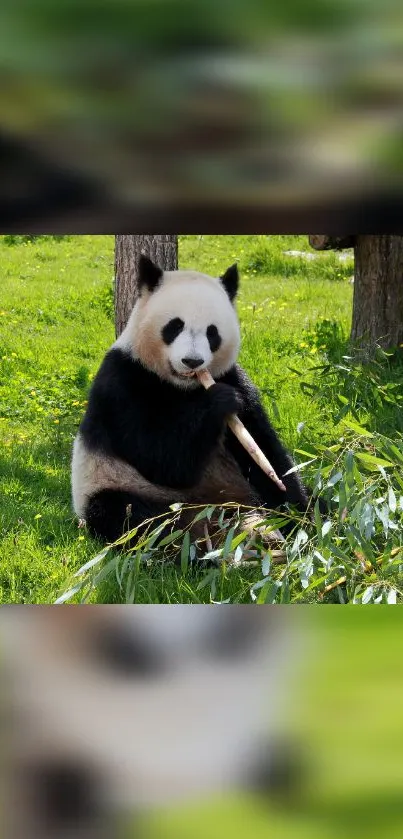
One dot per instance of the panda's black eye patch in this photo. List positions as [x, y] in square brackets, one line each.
[171, 330]
[126, 655]
[233, 637]
[213, 337]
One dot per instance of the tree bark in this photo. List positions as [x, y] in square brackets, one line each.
[162, 249]
[378, 292]
[328, 243]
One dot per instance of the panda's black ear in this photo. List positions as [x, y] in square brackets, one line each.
[149, 275]
[230, 281]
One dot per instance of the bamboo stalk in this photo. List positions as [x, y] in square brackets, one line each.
[209, 544]
[332, 586]
[242, 434]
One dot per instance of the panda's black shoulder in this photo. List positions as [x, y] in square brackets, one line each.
[118, 369]
[124, 377]
[110, 386]
[117, 380]
[115, 393]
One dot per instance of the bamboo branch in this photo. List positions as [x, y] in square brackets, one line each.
[332, 586]
[246, 440]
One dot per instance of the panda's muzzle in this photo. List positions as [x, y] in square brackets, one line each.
[189, 374]
[192, 363]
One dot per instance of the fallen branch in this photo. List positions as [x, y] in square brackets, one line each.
[246, 440]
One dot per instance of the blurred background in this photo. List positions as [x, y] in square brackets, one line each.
[333, 697]
[174, 116]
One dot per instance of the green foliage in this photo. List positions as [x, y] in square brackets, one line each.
[353, 554]
[106, 301]
[372, 393]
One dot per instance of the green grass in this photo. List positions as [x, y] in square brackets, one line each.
[54, 327]
[56, 321]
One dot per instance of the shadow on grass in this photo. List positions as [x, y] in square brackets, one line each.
[39, 543]
[33, 490]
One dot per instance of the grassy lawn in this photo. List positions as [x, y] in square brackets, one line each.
[56, 321]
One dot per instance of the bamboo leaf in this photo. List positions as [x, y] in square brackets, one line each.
[359, 429]
[371, 460]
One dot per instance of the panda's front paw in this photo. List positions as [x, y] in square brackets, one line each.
[225, 399]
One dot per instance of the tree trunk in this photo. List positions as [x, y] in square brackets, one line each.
[160, 248]
[378, 292]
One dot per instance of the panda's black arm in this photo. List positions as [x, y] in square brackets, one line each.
[167, 433]
[257, 423]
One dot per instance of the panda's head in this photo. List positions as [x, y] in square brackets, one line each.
[184, 322]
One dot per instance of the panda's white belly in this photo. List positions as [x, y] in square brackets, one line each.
[93, 472]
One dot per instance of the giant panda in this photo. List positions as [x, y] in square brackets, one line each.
[152, 435]
[108, 712]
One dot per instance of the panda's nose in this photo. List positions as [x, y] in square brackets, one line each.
[193, 362]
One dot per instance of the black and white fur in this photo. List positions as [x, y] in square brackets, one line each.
[152, 435]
